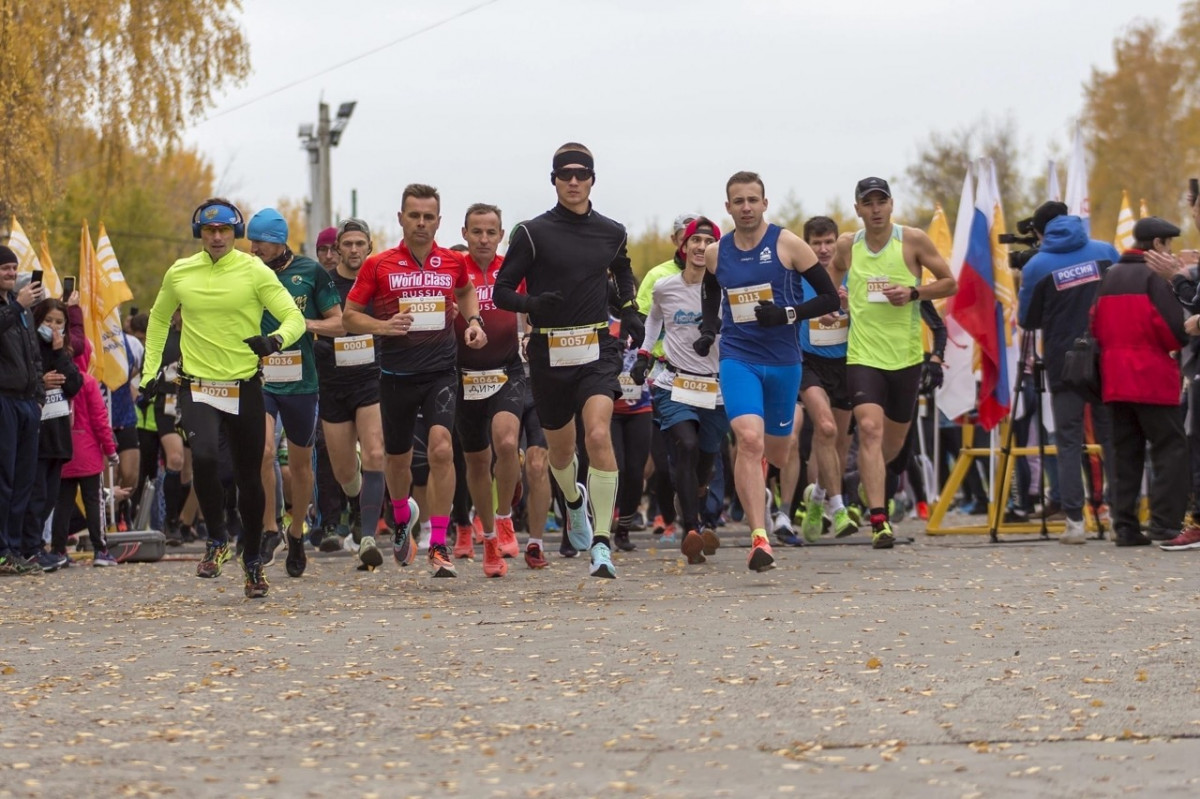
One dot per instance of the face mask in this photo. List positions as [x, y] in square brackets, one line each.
[47, 333]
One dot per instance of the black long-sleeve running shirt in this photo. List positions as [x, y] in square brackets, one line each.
[569, 253]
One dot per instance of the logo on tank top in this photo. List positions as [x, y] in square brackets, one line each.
[765, 255]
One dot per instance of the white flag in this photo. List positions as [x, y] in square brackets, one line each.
[1078, 203]
[957, 394]
[1053, 192]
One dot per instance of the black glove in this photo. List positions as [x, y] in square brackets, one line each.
[640, 367]
[703, 344]
[632, 327]
[263, 345]
[769, 314]
[146, 393]
[544, 303]
[932, 375]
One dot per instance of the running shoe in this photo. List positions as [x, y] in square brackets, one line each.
[215, 556]
[464, 547]
[811, 527]
[1073, 533]
[579, 527]
[760, 558]
[331, 540]
[494, 564]
[103, 558]
[507, 536]
[48, 561]
[693, 547]
[787, 536]
[534, 558]
[855, 515]
[271, 539]
[1188, 539]
[173, 537]
[256, 579]
[782, 526]
[566, 549]
[923, 511]
[711, 541]
[843, 523]
[404, 550]
[296, 561]
[621, 539]
[670, 536]
[883, 538]
[602, 565]
[369, 555]
[440, 562]
[477, 526]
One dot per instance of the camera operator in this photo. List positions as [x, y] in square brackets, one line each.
[1058, 286]
[1138, 326]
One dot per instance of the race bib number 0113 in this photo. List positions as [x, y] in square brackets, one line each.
[428, 313]
[224, 396]
[743, 301]
[354, 350]
[574, 346]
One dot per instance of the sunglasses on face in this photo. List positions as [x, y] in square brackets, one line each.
[578, 173]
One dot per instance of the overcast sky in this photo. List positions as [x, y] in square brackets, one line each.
[671, 96]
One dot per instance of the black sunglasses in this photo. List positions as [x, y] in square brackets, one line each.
[581, 174]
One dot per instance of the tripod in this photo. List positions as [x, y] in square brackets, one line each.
[1029, 366]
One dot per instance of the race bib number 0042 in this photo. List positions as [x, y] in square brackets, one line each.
[222, 395]
[574, 346]
[699, 392]
[354, 350]
[428, 313]
[743, 301]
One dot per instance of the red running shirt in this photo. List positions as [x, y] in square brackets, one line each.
[503, 347]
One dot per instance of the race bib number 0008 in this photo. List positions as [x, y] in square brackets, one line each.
[354, 350]
[743, 301]
[574, 346]
[428, 313]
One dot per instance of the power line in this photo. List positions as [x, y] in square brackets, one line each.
[349, 61]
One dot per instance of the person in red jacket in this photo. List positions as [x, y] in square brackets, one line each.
[1138, 323]
[93, 445]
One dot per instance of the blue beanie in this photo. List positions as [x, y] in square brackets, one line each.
[268, 225]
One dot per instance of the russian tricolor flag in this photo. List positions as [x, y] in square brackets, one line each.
[981, 314]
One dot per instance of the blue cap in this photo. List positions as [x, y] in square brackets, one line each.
[268, 225]
[217, 214]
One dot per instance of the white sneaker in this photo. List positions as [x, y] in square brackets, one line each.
[1074, 533]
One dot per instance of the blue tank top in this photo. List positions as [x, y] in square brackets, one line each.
[746, 341]
[811, 328]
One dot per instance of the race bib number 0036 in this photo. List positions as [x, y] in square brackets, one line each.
[284, 367]
[743, 301]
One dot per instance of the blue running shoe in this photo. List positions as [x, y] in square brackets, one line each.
[579, 526]
[602, 565]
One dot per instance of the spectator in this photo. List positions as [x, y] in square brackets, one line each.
[1138, 324]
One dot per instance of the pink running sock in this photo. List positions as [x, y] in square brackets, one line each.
[402, 511]
[438, 534]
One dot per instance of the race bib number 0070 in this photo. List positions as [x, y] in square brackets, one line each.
[224, 396]
[743, 301]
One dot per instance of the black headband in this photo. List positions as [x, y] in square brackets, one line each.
[567, 157]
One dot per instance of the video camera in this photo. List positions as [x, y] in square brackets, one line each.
[1027, 238]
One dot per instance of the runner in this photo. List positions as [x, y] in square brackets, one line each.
[328, 254]
[290, 393]
[824, 393]
[885, 351]
[348, 375]
[405, 295]
[565, 256]
[751, 292]
[222, 293]
[687, 395]
[491, 399]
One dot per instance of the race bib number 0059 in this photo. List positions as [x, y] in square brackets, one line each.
[428, 313]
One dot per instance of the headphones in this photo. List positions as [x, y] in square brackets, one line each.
[238, 221]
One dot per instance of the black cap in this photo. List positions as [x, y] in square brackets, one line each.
[1153, 227]
[868, 185]
[7, 256]
[1047, 211]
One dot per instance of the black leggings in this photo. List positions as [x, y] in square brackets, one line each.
[661, 482]
[90, 487]
[693, 469]
[246, 434]
[631, 444]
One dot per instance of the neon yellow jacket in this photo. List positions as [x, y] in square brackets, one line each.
[222, 303]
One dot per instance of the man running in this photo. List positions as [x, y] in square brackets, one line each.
[884, 348]
[328, 255]
[491, 396]
[751, 292]
[565, 256]
[825, 395]
[686, 392]
[222, 293]
[410, 291]
[348, 373]
[290, 393]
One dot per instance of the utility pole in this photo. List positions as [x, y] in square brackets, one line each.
[318, 141]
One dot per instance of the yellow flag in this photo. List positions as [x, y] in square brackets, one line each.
[943, 240]
[1143, 212]
[1006, 292]
[101, 321]
[1124, 238]
[113, 290]
[28, 261]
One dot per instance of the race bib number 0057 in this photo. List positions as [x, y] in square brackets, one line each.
[574, 346]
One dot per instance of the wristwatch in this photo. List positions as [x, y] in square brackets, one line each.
[477, 318]
[913, 294]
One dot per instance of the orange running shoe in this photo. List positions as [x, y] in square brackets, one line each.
[494, 564]
[464, 548]
[534, 558]
[478, 525]
[923, 511]
[760, 558]
[439, 561]
[507, 536]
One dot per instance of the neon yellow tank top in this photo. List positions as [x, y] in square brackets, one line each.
[882, 335]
